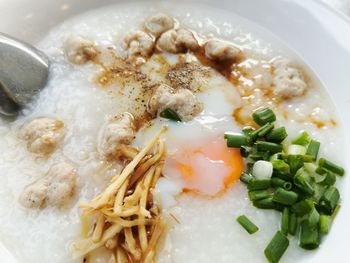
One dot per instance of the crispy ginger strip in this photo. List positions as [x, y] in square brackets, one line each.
[143, 199]
[84, 219]
[131, 223]
[114, 206]
[112, 259]
[149, 257]
[145, 166]
[134, 210]
[89, 211]
[157, 174]
[98, 231]
[157, 238]
[128, 151]
[119, 200]
[141, 228]
[133, 200]
[85, 246]
[104, 198]
[130, 243]
[121, 256]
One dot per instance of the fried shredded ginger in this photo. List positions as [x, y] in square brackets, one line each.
[124, 217]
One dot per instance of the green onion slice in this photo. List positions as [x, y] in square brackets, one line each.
[168, 113]
[325, 224]
[309, 236]
[277, 135]
[266, 203]
[246, 177]
[259, 184]
[302, 139]
[302, 181]
[276, 248]
[293, 224]
[285, 197]
[235, 140]
[313, 148]
[303, 207]
[268, 147]
[331, 166]
[329, 200]
[285, 221]
[258, 194]
[263, 116]
[248, 225]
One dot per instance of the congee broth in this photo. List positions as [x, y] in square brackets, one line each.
[123, 156]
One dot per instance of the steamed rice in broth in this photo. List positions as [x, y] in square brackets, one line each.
[96, 151]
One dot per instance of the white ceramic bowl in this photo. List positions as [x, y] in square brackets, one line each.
[318, 34]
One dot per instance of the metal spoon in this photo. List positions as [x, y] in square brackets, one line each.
[24, 72]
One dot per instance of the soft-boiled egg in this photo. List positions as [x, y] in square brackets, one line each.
[207, 169]
[197, 159]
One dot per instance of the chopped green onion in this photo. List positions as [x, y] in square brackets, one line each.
[277, 135]
[302, 139]
[301, 180]
[325, 224]
[278, 182]
[248, 225]
[247, 130]
[326, 221]
[319, 190]
[313, 217]
[295, 162]
[320, 170]
[307, 158]
[276, 248]
[284, 176]
[265, 203]
[335, 212]
[313, 149]
[285, 197]
[280, 166]
[309, 236]
[245, 151]
[262, 169]
[263, 130]
[311, 169]
[331, 166]
[258, 194]
[329, 179]
[293, 224]
[295, 149]
[250, 167]
[259, 156]
[285, 221]
[288, 186]
[235, 140]
[276, 156]
[268, 147]
[263, 116]
[246, 177]
[303, 207]
[168, 113]
[259, 184]
[329, 200]
[289, 179]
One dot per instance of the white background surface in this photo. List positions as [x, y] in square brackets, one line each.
[340, 5]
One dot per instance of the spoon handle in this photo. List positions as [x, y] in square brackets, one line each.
[23, 73]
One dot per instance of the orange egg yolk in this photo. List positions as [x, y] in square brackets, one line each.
[208, 169]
